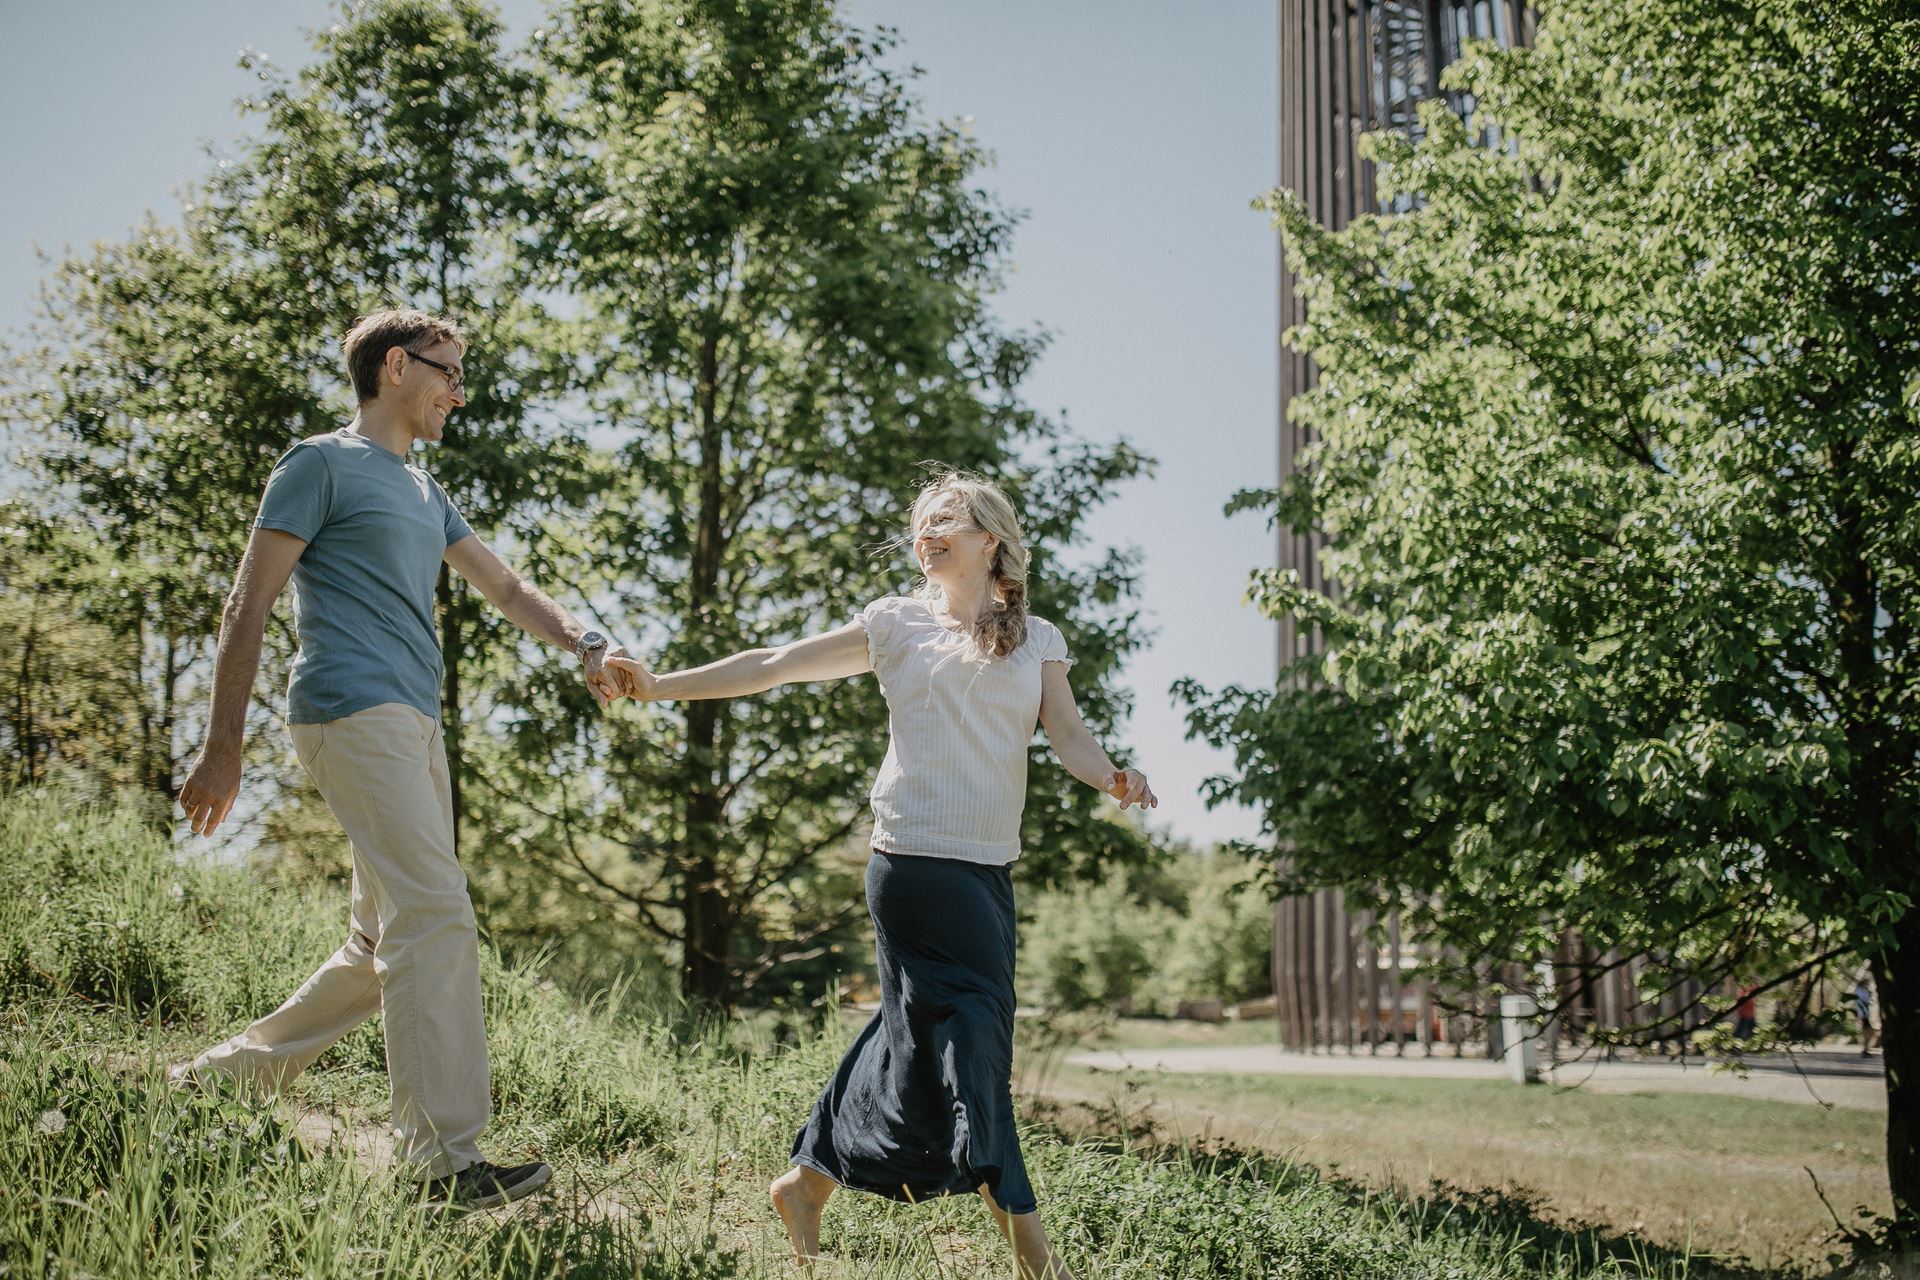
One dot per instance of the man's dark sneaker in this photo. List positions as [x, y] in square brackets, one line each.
[485, 1185]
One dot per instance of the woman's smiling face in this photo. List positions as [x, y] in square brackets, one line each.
[948, 544]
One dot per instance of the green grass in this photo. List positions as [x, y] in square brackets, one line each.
[1169, 1033]
[1724, 1175]
[117, 956]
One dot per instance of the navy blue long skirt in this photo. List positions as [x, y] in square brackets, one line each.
[922, 1104]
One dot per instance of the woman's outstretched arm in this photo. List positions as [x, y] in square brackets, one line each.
[833, 656]
[1073, 743]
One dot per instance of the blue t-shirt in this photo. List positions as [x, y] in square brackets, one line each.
[376, 529]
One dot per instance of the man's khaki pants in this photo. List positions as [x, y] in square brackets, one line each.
[412, 953]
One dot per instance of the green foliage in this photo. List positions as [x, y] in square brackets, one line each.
[1223, 943]
[1199, 926]
[60, 720]
[1091, 945]
[98, 908]
[155, 408]
[782, 273]
[1616, 481]
[719, 237]
[168, 372]
[552, 1059]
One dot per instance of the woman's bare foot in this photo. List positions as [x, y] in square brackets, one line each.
[1032, 1251]
[800, 1194]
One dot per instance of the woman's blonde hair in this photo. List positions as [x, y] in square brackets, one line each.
[1003, 628]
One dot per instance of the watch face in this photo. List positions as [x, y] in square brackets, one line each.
[591, 640]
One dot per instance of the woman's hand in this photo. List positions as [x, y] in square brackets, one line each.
[630, 678]
[1129, 786]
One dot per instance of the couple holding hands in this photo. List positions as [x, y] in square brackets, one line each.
[922, 1104]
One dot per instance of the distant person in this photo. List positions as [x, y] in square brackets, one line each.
[1863, 1007]
[922, 1104]
[362, 533]
[1745, 1013]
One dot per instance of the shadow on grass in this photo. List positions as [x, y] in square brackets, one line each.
[606, 1249]
[1518, 1220]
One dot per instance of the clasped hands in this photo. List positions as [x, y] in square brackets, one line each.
[617, 675]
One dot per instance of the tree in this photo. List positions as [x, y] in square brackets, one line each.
[385, 174]
[174, 368]
[61, 716]
[154, 400]
[782, 277]
[1615, 463]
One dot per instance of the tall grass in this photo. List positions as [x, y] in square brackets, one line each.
[118, 954]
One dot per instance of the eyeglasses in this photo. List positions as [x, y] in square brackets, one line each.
[454, 376]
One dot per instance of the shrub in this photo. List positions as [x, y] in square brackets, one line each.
[1223, 943]
[1199, 927]
[1090, 946]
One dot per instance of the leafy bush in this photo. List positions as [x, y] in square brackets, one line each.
[1201, 928]
[1223, 943]
[1091, 945]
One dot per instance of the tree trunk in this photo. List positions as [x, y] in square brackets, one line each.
[26, 734]
[705, 976]
[446, 593]
[706, 907]
[169, 696]
[1896, 975]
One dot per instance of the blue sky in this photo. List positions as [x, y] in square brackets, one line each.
[1132, 134]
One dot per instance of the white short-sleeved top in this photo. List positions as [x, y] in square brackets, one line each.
[958, 723]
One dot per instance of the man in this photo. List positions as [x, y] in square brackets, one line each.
[1863, 1009]
[362, 533]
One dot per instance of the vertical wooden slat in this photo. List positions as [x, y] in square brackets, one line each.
[1296, 935]
[1340, 196]
[1369, 984]
[1277, 972]
[1283, 971]
[1396, 986]
[1359, 101]
[1424, 996]
[1323, 968]
[1347, 957]
[1303, 967]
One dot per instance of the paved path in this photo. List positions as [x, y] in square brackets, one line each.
[1840, 1077]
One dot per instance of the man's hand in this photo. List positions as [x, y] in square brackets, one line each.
[634, 680]
[605, 687]
[1129, 786]
[212, 785]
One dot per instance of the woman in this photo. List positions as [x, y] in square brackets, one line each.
[922, 1104]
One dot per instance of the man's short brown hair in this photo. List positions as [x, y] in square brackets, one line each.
[372, 336]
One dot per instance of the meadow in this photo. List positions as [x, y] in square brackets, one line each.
[120, 954]
[1726, 1176]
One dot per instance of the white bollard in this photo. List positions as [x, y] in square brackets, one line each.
[1519, 1032]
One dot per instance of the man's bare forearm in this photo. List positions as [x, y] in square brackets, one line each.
[536, 613]
[236, 661]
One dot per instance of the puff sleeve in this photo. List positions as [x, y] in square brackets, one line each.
[881, 623]
[1053, 645]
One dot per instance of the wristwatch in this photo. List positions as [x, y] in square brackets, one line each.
[589, 641]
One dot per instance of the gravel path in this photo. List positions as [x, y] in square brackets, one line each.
[1840, 1077]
